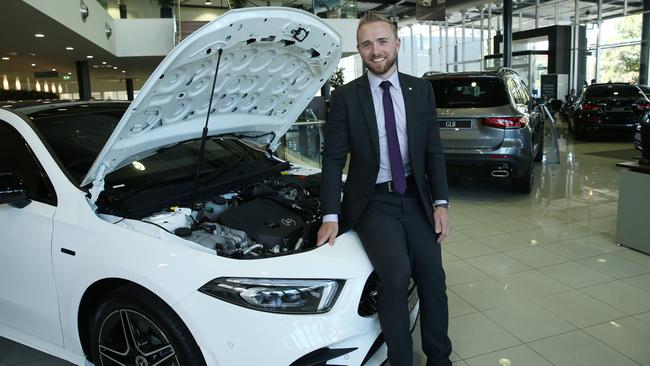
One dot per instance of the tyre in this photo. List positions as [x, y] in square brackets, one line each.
[135, 327]
[524, 184]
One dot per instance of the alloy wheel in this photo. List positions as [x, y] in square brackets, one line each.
[127, 338]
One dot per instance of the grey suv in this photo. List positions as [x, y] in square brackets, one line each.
[489, 124]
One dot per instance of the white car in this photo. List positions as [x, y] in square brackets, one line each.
[151, 234]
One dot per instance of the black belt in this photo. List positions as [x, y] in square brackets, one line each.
[390, 186]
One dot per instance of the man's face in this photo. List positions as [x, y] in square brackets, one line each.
[378, 47]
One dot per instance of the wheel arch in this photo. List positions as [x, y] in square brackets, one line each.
[92, 299]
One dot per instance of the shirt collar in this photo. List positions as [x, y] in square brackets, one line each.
[376, 80]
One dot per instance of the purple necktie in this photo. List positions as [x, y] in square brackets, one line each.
[394, 154]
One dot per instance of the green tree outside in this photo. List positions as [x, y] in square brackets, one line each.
[621, 64]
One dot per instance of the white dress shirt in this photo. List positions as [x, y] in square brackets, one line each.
[377, 93]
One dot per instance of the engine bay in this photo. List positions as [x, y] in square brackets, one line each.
[278, 215]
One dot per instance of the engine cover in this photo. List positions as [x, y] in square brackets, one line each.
[265, 222]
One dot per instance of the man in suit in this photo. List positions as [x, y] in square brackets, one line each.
[395, 196]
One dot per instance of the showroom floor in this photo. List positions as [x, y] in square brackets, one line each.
[533, 280]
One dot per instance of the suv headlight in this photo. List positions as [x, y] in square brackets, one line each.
[276, 295]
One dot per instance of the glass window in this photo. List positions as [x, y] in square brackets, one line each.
[77, 134]
[469, 93]
[16, 157]
[515, 90]
[613, 91]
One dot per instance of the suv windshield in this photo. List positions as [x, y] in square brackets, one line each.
[612, 91]
[469, 93]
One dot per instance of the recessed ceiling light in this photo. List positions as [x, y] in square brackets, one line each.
[53, 69]
[5, 58]
[103, 62]
[114, 67]
[89, 56]
[69, 48]
[33, 65]
[39, 35]
[123, 72]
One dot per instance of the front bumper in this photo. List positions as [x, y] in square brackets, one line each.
[239, 336]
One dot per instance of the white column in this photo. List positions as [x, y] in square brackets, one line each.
[413, 53]
[441, 49]
[489, 34]
[574, 58]
[430, 46]
[598, 39]
[462, 40]
[446, 44]
[482, 46]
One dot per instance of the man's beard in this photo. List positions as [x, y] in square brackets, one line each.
[389, 64]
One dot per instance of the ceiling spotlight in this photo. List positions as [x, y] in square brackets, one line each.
[39, 35]
[114, 67]
[69, 73]
[123, 72]
[103, 62]
[89, 56]
[53, 69]
[33, 65]
[69, 48]
[5, 58]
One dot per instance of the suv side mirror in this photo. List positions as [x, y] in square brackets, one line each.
[12, 191]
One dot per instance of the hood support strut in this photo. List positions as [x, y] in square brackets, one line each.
[204, 135]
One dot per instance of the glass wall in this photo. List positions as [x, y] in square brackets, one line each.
[616, 57]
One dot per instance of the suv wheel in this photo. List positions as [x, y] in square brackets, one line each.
[135, 327]
[524, 184]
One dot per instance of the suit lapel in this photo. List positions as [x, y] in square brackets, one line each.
[365, 99]
[409, 92]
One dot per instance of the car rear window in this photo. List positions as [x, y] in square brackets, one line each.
[469, 93]
[612, 91]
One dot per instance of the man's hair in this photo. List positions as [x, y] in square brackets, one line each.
[372, 17]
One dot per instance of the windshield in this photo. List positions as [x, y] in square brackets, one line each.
[469, 93]
[78, 133]
[179, 161]
[613, 91]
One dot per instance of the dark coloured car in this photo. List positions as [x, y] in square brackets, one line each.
[489, 125]
[612, 107]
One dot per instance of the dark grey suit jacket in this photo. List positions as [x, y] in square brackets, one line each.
[352, 128]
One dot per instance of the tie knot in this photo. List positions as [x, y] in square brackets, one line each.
[385, 84]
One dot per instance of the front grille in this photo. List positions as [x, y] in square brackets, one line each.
[368, 302]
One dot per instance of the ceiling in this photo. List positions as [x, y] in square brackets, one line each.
[108, 72]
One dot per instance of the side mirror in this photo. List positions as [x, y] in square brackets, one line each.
[12, 191]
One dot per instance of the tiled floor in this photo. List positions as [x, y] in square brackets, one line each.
[533, 280]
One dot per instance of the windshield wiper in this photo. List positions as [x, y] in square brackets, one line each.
[218, 172]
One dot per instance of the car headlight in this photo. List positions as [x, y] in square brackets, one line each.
[276, 295]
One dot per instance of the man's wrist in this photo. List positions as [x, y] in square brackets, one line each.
[440, 203]
[331, 218]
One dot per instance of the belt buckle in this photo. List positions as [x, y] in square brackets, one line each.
[390, 186]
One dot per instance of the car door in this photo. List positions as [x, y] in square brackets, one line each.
[28, 298]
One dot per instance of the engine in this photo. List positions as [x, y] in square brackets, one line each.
[279, 215]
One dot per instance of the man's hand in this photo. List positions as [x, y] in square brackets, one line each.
[441, 222]
[327, 233]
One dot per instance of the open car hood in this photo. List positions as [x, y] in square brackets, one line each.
[273, 61]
